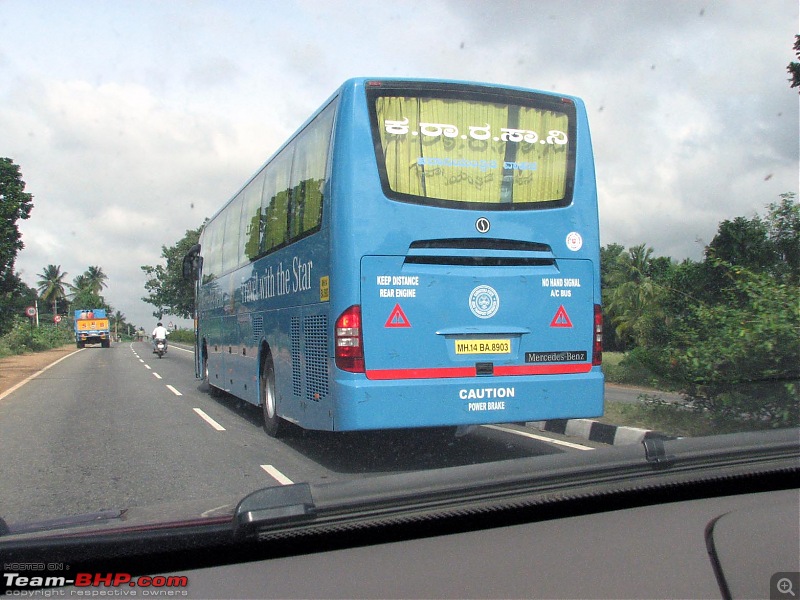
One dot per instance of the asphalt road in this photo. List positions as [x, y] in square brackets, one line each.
[118, 428]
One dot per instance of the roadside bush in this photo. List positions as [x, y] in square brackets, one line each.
[739, 358]
[640, 367]
[185, 336]
[22, 338]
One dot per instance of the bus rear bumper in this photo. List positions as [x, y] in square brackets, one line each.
[364, 404]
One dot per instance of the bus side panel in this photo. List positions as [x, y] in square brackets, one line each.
[282, 304]
[302, 365]
[212, 334]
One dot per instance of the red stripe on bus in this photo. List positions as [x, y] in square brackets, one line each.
[450, 372]
[421, 373]
[554, 369]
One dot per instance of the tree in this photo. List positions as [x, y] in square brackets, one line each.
[15, 297]
[783, 230]
[769, 244]
[79, 284]
[118, 323]
[15, 204]
[635, 296]
[793, 67]
[168, 291]
[86, 298]
[96, 279]
[738, 358]
[51, 285]
[742, 242]
[85, 289]
[609, 263]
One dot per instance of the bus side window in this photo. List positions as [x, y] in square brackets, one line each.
[230, 241]
[251, 228]
[212, 240]
[275, 201]
[308, 175]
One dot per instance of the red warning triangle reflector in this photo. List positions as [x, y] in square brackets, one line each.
[561, 319]
[398, 318]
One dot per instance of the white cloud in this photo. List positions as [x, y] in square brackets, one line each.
[110, 167]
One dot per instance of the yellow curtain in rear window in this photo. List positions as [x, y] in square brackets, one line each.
[473, 151]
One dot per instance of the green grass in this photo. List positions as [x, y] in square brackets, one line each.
[624, 368]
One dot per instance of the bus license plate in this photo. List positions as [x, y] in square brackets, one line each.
[483, 346]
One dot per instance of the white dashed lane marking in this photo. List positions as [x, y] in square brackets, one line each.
[277, 475]
[269, 469]
[209, 420]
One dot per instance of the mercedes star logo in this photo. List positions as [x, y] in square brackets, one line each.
[483, 225]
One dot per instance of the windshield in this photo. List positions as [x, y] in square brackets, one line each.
[456, 234]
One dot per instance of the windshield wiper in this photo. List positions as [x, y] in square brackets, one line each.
[710, 466]
[271, 506]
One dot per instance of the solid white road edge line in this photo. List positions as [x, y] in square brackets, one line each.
[174, 347]
[208, 419]
[26, 380]
[277, 475]
[541, 438]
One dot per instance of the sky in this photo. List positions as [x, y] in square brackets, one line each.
[132, 121]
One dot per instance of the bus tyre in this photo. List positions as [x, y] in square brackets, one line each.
[273, 424]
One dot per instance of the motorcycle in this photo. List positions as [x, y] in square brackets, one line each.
[160, 348]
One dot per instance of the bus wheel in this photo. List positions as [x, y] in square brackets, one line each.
[273, 424]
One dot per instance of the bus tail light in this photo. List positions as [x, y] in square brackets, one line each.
[350, 341]
[597, 344]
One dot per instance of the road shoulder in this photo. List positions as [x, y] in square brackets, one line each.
[16, 369]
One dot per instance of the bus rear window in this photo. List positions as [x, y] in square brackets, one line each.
[460, 152]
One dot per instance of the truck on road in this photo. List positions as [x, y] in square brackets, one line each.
[92, 327]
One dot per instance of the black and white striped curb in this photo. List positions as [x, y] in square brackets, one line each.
[615, 435]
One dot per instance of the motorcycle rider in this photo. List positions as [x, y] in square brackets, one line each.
[160, 333]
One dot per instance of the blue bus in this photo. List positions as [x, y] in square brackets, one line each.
[418, 254]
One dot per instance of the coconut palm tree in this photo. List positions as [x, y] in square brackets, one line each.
[78, 285]
[96, 279]
[634, 297]
[51, 285]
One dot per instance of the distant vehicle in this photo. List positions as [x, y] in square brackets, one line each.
[92, 327]
[160, 348]
[418, 254]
